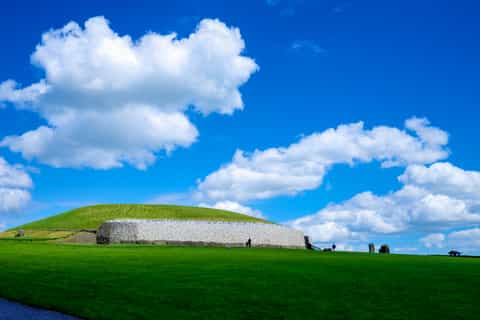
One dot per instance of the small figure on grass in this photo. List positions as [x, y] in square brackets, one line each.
[248, 244]
[334, 247]
[308, 244]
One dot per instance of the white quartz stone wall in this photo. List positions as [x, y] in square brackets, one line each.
[199, 232]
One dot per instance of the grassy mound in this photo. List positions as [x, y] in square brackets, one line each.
[155, 282]
[92, 217]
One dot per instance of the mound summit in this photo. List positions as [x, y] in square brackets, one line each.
[91, 217]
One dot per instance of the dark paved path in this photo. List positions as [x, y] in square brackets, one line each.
[15, 311]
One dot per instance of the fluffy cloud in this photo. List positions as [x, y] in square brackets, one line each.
[326, 232]
[444, 178]
[468, 239]
[109, 100]
[104, 140]
[433, 240]
[434, 197]
[302, 165]
[235, 207]
[465, 239]
[14, 185]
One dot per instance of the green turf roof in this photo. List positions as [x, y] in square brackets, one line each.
[92, 217]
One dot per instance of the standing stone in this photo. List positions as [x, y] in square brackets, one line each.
[371, 248]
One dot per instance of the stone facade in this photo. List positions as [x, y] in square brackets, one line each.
[191, 232]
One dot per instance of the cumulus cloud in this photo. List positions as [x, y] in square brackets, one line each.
[433, 240]
[235, 207]
[10, 92]
[109, 100]
[444, 178]
[104, 140]
[465, 239]
[468, 240]
[434, 197]
[326, 232]
[14, 186]
[302, 165]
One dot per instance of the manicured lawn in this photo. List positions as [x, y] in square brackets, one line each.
[92, 217]
[154, 282]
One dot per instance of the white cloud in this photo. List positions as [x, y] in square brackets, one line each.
[465, 239]
[104, 140]
[418, 205]
[110, 100]
[13, 176]
[433, 240]
[326, 232]
[302, 165]
[235, 207]
[10, 92]
[14, 185]
[431, 136]
[444, 178]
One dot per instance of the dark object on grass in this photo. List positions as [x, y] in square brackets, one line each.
[308, 244]
[334, 246]
[454, 253]
[384, 248]
[248, 244]
[371, 248]
[327, 249]
[20, 233]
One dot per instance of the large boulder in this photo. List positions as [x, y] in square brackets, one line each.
[19, 234]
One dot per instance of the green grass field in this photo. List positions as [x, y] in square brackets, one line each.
[92, 217]
[155, 282]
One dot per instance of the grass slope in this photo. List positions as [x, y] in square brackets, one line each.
[151, 282]
[36, 235]
[92, 217]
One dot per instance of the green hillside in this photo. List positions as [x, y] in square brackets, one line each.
[92, 217]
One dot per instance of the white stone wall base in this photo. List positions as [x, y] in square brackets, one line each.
[204, 233]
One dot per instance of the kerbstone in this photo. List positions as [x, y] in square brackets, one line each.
[192, 232]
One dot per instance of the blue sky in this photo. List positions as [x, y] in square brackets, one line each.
[306, 67]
